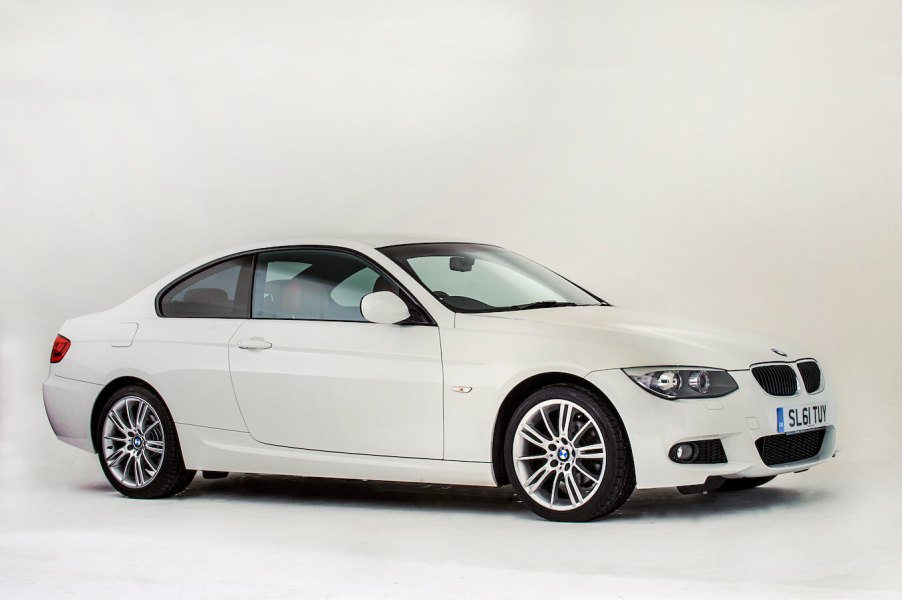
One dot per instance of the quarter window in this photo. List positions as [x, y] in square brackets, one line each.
[220, 291]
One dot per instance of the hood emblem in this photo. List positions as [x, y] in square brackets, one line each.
[780, 352]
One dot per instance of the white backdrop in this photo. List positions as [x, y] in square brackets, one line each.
[732, 162]
[738, 162]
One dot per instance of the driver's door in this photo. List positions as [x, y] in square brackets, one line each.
[309, 372]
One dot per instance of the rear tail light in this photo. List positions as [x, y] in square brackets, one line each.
[60, 347]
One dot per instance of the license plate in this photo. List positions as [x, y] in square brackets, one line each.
[800, 418]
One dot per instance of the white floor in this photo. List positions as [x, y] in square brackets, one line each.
[833, 532]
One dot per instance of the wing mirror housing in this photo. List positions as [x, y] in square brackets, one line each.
[384, 307]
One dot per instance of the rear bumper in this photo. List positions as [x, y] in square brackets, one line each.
[69, 404]
[654, 425]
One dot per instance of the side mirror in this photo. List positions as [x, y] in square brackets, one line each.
[383, 307]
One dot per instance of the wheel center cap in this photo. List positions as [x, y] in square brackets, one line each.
[563, 454]
[137, 441]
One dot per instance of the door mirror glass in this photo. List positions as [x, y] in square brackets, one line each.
[384, 307]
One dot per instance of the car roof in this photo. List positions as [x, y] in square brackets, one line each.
[139, 303]
[367, 239]
[353, 242]
[361, 242]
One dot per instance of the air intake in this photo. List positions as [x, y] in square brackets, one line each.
[790, 448]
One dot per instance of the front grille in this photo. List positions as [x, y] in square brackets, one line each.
[710, 452]
[790, 447]
[777, 380]
[811, 375]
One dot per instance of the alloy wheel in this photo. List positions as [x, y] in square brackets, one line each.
[133, 442]
[559, 454]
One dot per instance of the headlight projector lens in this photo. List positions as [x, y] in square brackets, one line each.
[669, 382]
[700, 381]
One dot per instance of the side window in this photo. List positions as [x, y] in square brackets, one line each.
[320, 285]
[352, 290]
[220, 291]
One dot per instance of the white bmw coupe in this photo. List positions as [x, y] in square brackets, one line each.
[440, 362]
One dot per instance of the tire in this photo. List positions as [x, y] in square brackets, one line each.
[138, 445]
[746, 483]
[561, 478]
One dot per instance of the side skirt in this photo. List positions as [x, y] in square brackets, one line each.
[208, 449]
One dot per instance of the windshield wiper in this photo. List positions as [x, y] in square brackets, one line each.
[542, 304]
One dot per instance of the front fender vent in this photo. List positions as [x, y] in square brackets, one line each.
[777, 380]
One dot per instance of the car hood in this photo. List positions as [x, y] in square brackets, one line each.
[619, 338]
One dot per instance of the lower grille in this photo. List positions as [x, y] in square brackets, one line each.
[710, 452]
[777, 380]
[789, 448]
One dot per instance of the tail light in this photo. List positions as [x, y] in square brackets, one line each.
[60, 347]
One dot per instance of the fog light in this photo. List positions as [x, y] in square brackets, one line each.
[683, 453]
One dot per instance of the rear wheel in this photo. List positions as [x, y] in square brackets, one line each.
[746, 483]
[567, 455]
[138, 445]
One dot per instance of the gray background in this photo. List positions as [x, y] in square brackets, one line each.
[732, 162]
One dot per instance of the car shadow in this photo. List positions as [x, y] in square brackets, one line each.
[670, 503]
[658, 503]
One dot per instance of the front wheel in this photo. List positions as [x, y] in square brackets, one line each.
[567, 455]
[138, 445]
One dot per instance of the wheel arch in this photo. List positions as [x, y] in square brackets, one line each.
[104, 395]
[516, 397]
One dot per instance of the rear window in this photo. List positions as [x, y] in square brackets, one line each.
[220, 291]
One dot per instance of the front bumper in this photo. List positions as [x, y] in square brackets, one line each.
[654, 425]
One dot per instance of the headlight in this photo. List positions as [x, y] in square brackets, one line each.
[682, 382]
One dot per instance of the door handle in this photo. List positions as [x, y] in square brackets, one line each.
[254, 344]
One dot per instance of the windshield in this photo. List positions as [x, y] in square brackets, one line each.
[481, 278]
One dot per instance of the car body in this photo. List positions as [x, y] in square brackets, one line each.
[289, 378]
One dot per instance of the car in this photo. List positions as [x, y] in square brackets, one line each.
[421, 360]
